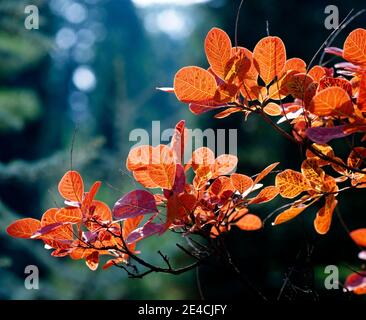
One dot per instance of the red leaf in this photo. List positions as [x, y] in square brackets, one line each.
[23, 228]
[71, 186]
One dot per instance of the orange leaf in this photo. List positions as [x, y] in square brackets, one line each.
[163, 167]
[252, 73]
[130, 225]
[359, 236]
[237, 67]
[142, 176]
[60, 237]
[227, 112]
[298, 84]
[327, 82]
[273, 109]
[218, 50]
[324, 216]
[241, 182]
[69, 214]
[89, 196]
[354, 49]
[356, 158]
[289, 214]
[269, 58]
[249, 222]
[23, 228]
[361, 99]
[317, 72]
[194, 85]
[295, 64]
[92, 261]
[202, 157]
[311, 171]
[291, 183]
[100, 212]
[224, 164]
[139, 157]
[265, 195]
[71, 186]
[331, 101]
[265, 172]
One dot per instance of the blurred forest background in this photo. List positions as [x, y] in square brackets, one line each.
[90, 71]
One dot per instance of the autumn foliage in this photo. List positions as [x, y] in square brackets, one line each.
[319, 104]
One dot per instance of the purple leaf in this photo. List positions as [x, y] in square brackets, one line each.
[47, 229]
[133, 204]
[147, 230]
[322, 135]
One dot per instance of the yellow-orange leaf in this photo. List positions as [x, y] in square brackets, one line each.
[269, 57]
[273, 109]
[265, 195]
[289, 214]
[218, 50]
[354, 49]
[265, 172]
[194, 85]
[311, 170]
[227, 112]
[249, 222]
[331, 101]
[324, 216]
[291, 183]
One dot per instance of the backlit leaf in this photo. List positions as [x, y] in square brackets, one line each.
[71, 186]
[241, 182]
[224, 164]
[269, 57]
[23, 228]
[218, 50]
[291, 183]
[331, 101]
[354, 49]
[324, 216]
[289, 214]
[249, 222]
[359, 236]
[265, 195]
[194, 85]
[134, 203]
